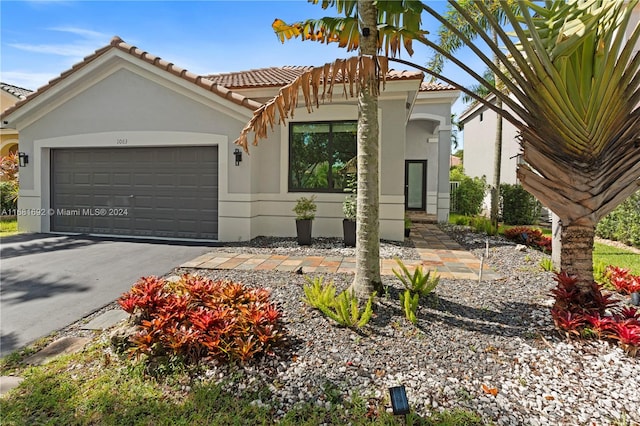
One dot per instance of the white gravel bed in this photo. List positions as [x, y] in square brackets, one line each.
[498, 334]
[320, 247]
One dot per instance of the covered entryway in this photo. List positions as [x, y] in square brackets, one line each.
[164, 192]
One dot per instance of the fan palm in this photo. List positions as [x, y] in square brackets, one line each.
[574, 92]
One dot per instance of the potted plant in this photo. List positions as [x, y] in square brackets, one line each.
[349, 210]
[305, 211]
[407, 226]
[349, 221]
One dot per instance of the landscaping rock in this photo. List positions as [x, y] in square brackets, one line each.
[489, 347]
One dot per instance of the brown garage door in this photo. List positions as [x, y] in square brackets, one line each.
[168, 192]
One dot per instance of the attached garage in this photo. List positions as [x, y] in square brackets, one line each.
[165, 192]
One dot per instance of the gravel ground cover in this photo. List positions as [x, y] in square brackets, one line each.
[489, 347]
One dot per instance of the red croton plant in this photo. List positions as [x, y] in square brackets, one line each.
[528, 236]
[597, 317]
[196, 317]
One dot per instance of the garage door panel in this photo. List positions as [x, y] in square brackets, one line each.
[101, 179]
[167, 191]
[121, 179]
[144, 179]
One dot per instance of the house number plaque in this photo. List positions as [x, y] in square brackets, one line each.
[121, 141]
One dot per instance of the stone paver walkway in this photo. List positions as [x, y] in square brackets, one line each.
[436, 249]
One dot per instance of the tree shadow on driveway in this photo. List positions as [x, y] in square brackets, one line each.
[18, 287]
[22, 245]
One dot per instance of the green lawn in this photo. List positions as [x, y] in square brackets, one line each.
[602, 253]
[8, 227]
[608, 255]
[98, 388]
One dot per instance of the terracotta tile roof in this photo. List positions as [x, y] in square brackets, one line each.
[118, 43]
[16, 91]
[280, 76]
[435, 87]
[262, 77]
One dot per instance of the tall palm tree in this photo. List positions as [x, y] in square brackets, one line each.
[358, 29]
[451, 43]
[565, 65]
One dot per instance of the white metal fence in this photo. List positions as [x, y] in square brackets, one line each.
[453, 204]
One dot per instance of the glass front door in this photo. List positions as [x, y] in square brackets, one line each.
[415, 184]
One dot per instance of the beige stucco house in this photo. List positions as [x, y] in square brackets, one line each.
[126, 143]
[9, 96]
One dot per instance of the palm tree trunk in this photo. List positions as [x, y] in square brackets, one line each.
[367, 277]
[497, 154]
[576, 256]
[497, 169]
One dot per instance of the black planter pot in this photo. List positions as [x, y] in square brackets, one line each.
[407, 232]
[635, 298]
[303, 229]
[349, 231]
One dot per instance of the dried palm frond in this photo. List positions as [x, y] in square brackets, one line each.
[365, 72]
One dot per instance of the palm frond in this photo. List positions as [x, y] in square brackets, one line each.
[399, 25]
[356, 71]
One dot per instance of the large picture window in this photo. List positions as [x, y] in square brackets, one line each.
[321, 155]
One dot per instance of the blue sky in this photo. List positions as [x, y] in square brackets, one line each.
[41, 39]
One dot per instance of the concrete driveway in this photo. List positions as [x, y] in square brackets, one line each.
[49, 282]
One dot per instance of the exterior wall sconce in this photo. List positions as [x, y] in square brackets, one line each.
[238, 154]
[23, 159]
[399, 401]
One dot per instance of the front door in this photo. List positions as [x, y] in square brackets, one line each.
[415, 184]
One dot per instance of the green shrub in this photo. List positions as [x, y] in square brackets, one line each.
[547, 264]
[416, 285]
[601, 275]
[469, 195]
[456, 173]
[318, 294]
[349, 205]
[8, 196]
[458, 219]
[517, 206]
[418, 282]
[483, 225]
[622, 224]
[409, 305]
[343, 309]
[305, 208]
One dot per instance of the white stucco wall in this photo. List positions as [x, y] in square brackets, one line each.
[429, 138]
[479, 147]
[117, 97]
[132, 104]
[271, 211]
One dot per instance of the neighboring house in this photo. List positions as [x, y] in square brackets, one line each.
[479, 125]
[9, 96]
[126, 143]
